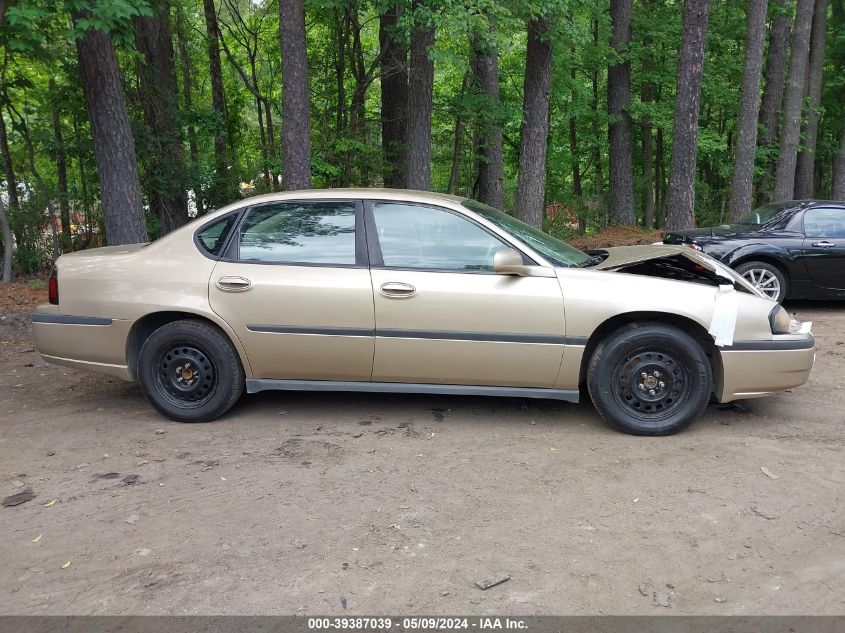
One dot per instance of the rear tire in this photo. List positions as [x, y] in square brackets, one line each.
[649, 379]
[190, 372]
[767, 277]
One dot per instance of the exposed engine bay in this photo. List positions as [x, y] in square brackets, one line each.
[676, 266]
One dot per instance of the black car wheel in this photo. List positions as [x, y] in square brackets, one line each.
[649, 379]
[765, 277]
[190, 372]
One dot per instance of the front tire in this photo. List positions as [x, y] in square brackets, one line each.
[649, 379]
[190, 372]
[765, 277]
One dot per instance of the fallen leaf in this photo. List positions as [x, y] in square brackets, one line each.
[66, 565]
[50, 503]
[37, 539]
[768, 473]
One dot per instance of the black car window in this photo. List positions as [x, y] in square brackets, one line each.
[770, 217]
[299, 233]
[824, 222]
[212, 237]
[414, 236]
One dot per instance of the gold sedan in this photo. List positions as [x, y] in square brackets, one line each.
[410, 292]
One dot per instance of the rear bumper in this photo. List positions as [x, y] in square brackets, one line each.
[90, 343]
[752, 369]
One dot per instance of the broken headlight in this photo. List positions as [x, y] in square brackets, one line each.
[780, 320]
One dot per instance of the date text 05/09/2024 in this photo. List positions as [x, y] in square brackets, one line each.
[417, 623]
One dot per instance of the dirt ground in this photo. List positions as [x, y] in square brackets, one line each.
[377, 504]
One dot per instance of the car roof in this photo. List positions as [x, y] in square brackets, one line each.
[354, 193]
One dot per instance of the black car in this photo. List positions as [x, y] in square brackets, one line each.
[792, 249]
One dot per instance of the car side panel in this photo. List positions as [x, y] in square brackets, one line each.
[592, 297]
[166, 276]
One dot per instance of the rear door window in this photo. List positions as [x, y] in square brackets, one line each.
[317, 233]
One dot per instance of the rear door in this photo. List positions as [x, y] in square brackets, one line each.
[295, 287]
[824, 247]
[443, 315]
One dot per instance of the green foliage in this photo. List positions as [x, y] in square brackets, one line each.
[344, 64]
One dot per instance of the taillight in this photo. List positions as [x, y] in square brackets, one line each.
[53, 287]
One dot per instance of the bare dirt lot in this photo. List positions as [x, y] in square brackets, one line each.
[373, 504]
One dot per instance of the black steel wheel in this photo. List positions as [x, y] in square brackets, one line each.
[649, 379]
[189, 371]
[187, 376]
[651, 382]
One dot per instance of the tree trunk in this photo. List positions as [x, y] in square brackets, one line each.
[491, 166]
[220, 188]
[8, 244]
[839, 171]
[296, 127]
[61, 171]
[8, 166]
[621, 202]
[773, 79]
[531, 188]
[187, 82]
[455, 171]
[680, 197]
[357, 105]
[659, 179]
[341, 36]
[749, 108]
[394, 96]
[647, 134]
[165, 158]
[420, 91]
[805, 169]
[598, 171]
[114, 145]
[774, 73]
[791, 126]
[621, 208]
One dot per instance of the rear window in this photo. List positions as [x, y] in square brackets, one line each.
[212, 237]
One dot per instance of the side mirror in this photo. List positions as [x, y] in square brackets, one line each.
[508, 261]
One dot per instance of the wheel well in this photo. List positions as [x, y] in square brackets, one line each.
[696, 330]
[149, 323]
[766, 259]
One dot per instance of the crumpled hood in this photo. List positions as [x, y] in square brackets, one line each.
[619, 256]
[623, 255]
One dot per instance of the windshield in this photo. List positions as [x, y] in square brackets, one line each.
[556, 251]
[777, 213]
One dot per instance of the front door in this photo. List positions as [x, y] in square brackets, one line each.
[824, 247]
[295, 287]
[443, 315]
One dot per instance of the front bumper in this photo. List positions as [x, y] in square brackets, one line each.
[89, 343]
[752, 369]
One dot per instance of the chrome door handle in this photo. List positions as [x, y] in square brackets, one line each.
[397, 289]
[824, 244]
[234, 283]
